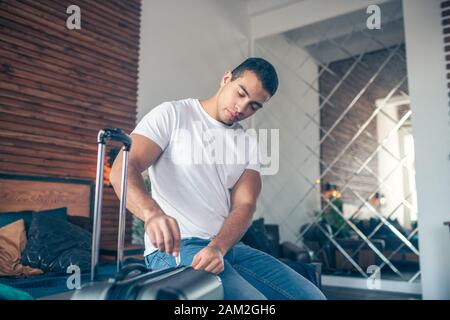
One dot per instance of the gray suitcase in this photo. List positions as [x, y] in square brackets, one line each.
[134, 281]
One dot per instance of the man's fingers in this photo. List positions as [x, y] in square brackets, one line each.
[196, 261]
[176, 236]
[212, 266]
[218, 269]
[168, 241]
[202, 264]
[159, 240]
[151, 235]
[156, 237]
[164, 234]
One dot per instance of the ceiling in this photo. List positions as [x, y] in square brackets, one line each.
[348, 35]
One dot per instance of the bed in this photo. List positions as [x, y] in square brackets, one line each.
[20, 193]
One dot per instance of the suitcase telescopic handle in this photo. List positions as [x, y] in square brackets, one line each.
[115, 134]
[104, 136]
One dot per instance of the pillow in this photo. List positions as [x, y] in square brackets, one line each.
[9, 217]
[53, 245]
[83, 222]
[256, 236]
[12, 242]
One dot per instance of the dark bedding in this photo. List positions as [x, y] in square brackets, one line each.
[53, 282]
[53, 245]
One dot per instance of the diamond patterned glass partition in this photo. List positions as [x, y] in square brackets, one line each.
[358, 209]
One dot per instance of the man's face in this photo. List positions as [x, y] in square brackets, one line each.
[240, 98]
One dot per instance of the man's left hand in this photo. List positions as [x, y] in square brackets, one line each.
[209, 259]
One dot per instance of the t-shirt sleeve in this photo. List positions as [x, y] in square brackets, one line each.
[158, 124]
[254, 157]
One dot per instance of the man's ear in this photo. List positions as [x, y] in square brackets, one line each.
[226, 78]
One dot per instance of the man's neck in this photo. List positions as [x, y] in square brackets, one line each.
[210, 106]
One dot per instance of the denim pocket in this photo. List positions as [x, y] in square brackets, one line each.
[149, 260]
[159, 260]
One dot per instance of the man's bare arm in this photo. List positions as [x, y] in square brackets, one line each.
[244, 196]
[243, 205]
[163, 230]
[143, 154]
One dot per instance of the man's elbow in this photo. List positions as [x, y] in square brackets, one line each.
[115, 175]
[251, 209]
[248, 208]
[250, 205]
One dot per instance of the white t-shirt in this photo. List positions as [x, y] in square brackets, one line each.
[202, 159]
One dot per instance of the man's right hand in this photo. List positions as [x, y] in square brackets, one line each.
[164, 232]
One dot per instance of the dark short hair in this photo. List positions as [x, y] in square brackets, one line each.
[263, 70]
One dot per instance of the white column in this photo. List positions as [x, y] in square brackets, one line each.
[431, 130]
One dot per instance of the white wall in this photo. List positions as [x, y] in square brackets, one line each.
[257, 7]
[186, 47]
[282, 192]
[431, 127]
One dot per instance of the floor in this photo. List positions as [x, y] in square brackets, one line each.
[338, 293]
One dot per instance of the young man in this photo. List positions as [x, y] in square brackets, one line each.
[201, 205]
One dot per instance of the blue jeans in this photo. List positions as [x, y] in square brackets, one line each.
[249, 274]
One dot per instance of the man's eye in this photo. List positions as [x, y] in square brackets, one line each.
[254, 107]
[241, 94]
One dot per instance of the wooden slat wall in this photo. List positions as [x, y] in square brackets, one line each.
[58, 87]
